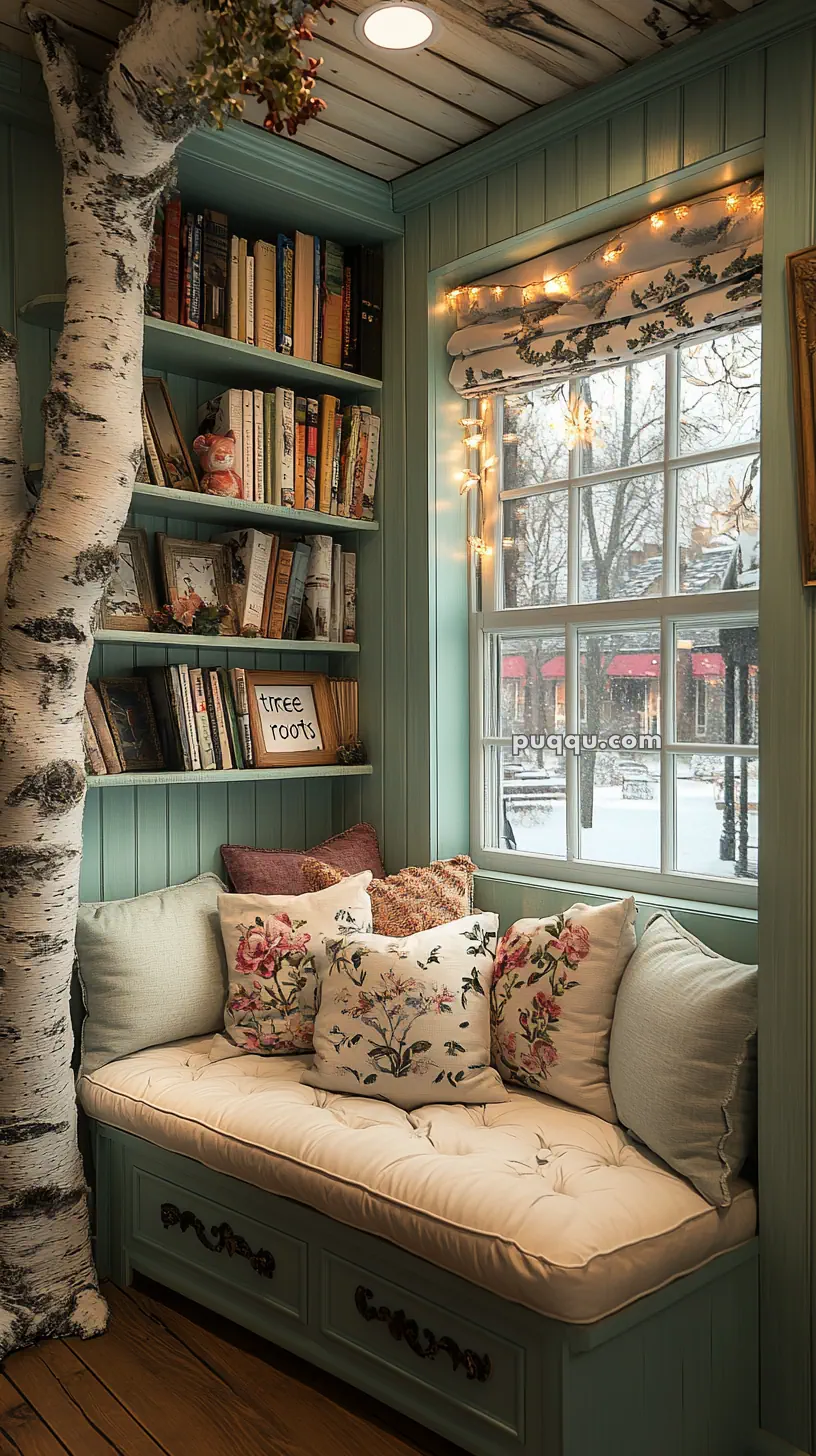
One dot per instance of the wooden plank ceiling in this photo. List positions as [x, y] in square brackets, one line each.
[493, 59]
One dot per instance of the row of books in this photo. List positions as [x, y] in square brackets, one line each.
[197, 717]
[285, 589]
[302, 295]
[309, 454]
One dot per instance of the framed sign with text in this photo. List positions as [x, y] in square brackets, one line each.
[292, 718]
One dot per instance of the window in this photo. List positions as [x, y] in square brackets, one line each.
[619, 603]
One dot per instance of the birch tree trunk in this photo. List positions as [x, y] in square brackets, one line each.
[117, 146]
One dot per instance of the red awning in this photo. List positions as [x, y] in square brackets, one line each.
[634, 664]
[707, 664]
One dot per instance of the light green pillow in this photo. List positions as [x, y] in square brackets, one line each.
[152, 970]
[682, 1056]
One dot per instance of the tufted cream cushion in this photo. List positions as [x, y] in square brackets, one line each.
[553, 1208]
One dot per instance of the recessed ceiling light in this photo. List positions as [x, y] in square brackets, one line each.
[397, 25]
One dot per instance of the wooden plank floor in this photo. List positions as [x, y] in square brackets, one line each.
[169, 1378]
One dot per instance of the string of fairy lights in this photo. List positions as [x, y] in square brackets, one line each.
[559, 285]
[578, 422]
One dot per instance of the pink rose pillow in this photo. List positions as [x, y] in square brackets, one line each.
[553, 998]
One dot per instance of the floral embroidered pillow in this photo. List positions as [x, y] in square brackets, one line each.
[417, 898]
[408, 1020]
[274, 944]
[553, 999]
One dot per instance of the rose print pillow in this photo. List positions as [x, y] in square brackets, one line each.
[273, 945]
[553, 999]
[408, 1020]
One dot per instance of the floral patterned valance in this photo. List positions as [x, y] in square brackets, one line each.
[688, 269]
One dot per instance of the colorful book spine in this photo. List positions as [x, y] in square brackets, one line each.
[336, 615]
[230, 718]
[297, 589]
[284, 448]
[153, 287]
[285, 301]
[171, 254]
[360, 461]
[186, 269]
[241, 700]
[220, 718]
[312, 421]
[329, 405]
[349, 596]
[372, 467]
[202, 720]
[304, 296]
[315, 617]
[336, 459]
[258, 436]
[300, 452]
[233, 288]
[177, 704]
[189, 716]
[265, 290]
[331, 350]
[250, 301]
[278, 610]
[196, 290]
[248, 446]
[370, 316]
[351, 309]
[269, 447]
[214, 271]
[317, 312]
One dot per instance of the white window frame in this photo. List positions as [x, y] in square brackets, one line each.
[489, 618]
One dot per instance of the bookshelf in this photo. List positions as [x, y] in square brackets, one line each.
[190, 505]
[176, 349]
[229, 776]
[222, 644]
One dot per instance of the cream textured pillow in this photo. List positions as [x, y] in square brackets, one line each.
[417, 898]
[553, 999]
[273, 944]
[408, 1020]
[683, 1056]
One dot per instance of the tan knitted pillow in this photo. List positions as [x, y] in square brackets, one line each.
[418, 898]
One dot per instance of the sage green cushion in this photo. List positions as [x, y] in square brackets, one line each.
[152, 970]
[682, 1056]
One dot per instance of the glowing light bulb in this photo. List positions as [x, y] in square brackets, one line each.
[612, 254]
[681, 213]
[453, 297]
[473, 294]
[497, 291]
[757, 203]
[558, 285]
[469, 482]
[732, 202]
[474, 441]
[658, 221]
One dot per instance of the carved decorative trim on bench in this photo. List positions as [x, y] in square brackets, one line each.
[477, 1367]
[226, 1241]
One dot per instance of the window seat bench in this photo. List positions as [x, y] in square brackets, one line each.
[520, 1277]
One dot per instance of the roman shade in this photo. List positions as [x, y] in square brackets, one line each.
[692, 268]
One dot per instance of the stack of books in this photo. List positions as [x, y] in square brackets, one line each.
[186, 718]
[283, 588]
[307, 454]
[301, 295]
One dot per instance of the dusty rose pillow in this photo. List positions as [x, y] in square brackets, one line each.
[277, 871]
[415, 899]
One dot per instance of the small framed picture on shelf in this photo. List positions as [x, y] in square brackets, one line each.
[197, 569]
[129, 598]
[291, 718]
[165, 433]
[132, 723]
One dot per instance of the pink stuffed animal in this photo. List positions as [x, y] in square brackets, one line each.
[216, 454]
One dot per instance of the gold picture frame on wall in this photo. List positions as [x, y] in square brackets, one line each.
[801, 273]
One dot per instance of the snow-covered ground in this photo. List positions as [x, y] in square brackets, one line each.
[627, 831]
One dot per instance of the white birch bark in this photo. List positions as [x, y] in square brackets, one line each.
[117, 147]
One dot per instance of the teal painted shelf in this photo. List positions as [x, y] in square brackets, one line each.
[243, 644]
[190, 505]
[228, 776]
[179, 350]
